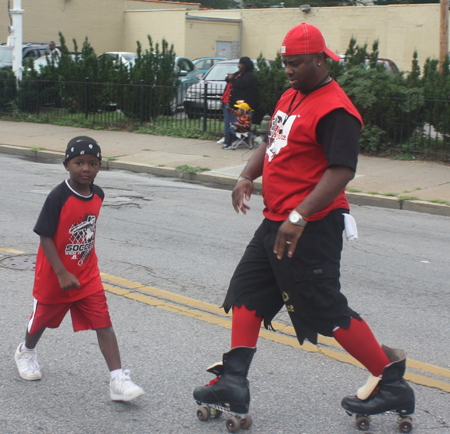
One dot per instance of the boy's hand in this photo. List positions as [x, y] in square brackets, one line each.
[67, 281]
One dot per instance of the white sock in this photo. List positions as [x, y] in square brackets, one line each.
[116, 373]
[24, 348]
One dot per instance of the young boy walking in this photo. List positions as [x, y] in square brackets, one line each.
[67, 275]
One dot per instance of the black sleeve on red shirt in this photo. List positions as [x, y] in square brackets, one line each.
[47, 223]
[98, 191]
[338, 133]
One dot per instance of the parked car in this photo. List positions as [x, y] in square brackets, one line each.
[42, 61]
[215, 80]
[119, 57]
[203, 64]
[388, 64]
[187, 74]
[29, 50]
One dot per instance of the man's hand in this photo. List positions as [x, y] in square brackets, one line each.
[67, 281]
[288, 236]
[243, 190]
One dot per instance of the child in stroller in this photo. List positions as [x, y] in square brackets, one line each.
[241, 128]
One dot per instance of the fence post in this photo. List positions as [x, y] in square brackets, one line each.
[86, 98]
[141, 104]
[37, 98]
[205, 105]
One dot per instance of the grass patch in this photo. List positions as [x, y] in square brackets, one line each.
[190, 169]
[408, 198]
[406, 156]
[439, 201]
[410, 191]
[373, 192]
[36, 149]
[390, 194]
[353, 190]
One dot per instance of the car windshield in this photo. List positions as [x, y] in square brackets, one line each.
[5, 55]
[220, 71]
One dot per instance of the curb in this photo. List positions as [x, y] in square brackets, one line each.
[374, 200]
[226, 182]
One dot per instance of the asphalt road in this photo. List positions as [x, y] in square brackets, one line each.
[186, 239]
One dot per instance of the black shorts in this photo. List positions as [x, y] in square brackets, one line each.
[308, 283]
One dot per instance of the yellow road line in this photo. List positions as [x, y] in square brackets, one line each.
[214, 315]
[164, 294]
[17, 252]
[224, 320]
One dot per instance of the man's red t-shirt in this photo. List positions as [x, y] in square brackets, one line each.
[70, 220]
[295, 161]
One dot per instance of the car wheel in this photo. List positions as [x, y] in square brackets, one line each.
[173, 107]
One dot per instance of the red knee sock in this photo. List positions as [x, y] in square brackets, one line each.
[245, 327]
[359, 341]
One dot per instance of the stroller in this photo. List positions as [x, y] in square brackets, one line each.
[240, 131]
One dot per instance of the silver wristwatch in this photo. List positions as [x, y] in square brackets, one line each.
[296, 219]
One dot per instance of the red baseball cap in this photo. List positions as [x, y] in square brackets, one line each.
[305, 39]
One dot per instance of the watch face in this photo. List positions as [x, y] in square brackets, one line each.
[294, 217]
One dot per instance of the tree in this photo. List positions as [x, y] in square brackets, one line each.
[272, 82]
[385, 101]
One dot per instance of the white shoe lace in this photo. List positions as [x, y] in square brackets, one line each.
[33, 363]
[126, 375]
[30, 358]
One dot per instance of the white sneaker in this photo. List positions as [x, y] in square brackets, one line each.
[221, 141]
[27, 364]
[123, 389]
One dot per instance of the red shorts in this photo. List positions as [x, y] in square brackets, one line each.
[90, 312]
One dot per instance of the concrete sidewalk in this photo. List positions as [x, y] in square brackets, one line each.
[396, 184]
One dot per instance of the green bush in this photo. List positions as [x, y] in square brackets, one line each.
[272, 82]
[436, 86]
[81, 82]
[8, 90]
[388, 103]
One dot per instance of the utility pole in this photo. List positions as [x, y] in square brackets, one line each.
[443, 34]
[16, 38]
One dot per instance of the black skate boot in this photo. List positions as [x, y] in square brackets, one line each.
[390, 393]
[229, 391]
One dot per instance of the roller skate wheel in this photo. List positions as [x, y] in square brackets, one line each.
[246, 422]
[203, 414]
[233, 424]
[405, 424]
[362, 422]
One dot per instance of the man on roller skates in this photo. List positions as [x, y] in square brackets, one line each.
[307, 159]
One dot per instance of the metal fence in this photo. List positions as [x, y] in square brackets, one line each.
[412, 125]
[113, 105]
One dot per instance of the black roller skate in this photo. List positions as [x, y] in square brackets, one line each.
[229, 392]
[390, 393]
